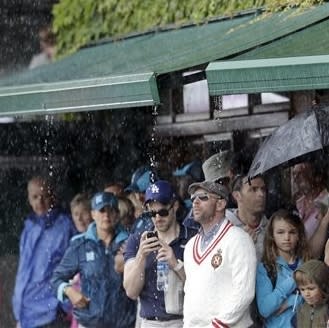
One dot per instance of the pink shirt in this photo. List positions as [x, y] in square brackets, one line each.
[309, 214]
[76, 284]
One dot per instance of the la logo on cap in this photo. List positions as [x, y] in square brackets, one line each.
[155, 189]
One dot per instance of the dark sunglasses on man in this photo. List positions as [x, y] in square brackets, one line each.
[163, 212]
[203, 197]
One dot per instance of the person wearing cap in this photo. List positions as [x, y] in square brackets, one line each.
[220, 264]
[312, 279]
[184, 176]
[143, 252]
[44, 240]
[140, 180]
[218, 168]
[221, 167]
[102, 301]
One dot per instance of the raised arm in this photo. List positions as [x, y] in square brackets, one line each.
[318, 240]
[135, 259]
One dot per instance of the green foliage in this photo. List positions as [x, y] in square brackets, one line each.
[79, 22]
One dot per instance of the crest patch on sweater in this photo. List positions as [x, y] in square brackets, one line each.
[217, 259]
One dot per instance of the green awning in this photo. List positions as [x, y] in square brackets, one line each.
[82, 95]
[59, 87]
[311, 41]
[268, 75]
[176, 48]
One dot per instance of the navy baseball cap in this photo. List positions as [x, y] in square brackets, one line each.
[102, 199]
[160, 191]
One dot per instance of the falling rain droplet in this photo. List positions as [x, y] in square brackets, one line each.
[151, 154]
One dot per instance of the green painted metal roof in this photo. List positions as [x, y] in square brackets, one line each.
[312, 41]
[175, 49]
[268, 75]
[85, 95]
[160, 52]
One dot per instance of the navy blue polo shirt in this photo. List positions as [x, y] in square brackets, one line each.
[152, 300]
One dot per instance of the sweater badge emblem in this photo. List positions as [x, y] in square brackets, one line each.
[217, 259]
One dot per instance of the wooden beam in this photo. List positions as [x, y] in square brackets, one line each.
[256, 121]
[275, 107]
[196, 77]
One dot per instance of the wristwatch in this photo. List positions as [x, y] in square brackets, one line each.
[179, 265]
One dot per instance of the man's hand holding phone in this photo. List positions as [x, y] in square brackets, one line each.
[153, 240]
[149, 243]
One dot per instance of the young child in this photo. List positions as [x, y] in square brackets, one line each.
[81, 215]
[81, 212]
[312, 279]
[285, 249]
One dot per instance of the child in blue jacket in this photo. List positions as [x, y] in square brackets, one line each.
[285, 249]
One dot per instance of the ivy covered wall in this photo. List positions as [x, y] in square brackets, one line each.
[79, 22]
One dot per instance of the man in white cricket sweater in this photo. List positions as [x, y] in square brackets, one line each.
[220, 264]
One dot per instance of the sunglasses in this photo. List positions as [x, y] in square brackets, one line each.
[204, 197]
[162, 212]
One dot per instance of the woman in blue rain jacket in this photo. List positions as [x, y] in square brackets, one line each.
[104, 301]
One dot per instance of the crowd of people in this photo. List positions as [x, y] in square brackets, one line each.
[229, 265]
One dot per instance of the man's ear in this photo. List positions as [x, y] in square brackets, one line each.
[221, 204]
[176, 205]
[236, 195]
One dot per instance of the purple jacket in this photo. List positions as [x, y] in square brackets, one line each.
[43, 243]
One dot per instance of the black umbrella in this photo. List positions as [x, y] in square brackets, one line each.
[303, 134]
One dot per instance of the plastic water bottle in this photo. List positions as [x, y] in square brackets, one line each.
[162, 275]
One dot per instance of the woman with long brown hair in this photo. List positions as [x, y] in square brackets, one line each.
[285, 249]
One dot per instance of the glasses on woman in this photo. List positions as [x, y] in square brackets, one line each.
[203, 197]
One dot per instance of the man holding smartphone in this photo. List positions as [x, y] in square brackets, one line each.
[143, 250]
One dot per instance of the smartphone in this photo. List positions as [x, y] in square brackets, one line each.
[151, 234]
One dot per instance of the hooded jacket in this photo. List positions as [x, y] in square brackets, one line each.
[309, 316]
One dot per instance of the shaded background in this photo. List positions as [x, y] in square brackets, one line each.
[20, 21]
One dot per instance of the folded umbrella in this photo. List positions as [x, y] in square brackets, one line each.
[305, 133]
